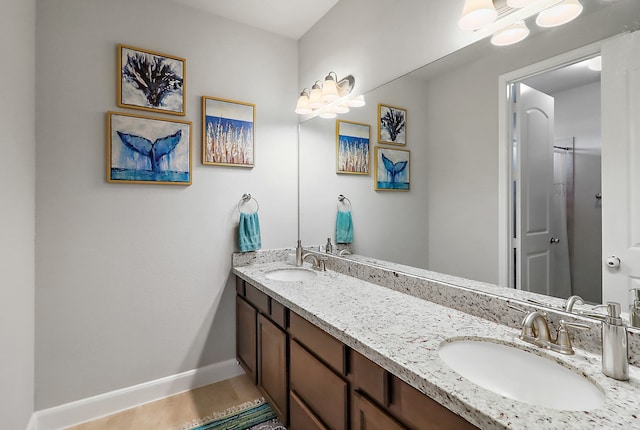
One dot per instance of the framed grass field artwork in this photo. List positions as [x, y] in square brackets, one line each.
[352, 148]
[227, 132]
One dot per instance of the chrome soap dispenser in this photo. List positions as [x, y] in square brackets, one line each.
[615, 353]
[634, 309]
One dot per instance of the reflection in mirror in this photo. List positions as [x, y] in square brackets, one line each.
[556, 166]
[449, 221]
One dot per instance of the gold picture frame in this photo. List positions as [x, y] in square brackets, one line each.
[151, 81]
[352, 148]
[392, 169]
[392, 125]
[228, 132]
[147, 150]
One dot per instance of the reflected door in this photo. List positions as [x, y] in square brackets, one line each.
[534, 117]
[621, 166]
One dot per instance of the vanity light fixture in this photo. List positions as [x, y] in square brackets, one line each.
[516, 4]
[509, 35]
[329, 98]
[510, 28]
[476, 14]
[560, 13]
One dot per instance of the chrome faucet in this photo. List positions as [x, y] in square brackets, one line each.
[535, 330]
[571, 302]
[319, 263]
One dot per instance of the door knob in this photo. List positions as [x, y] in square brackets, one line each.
[613, 262]
[554, 240]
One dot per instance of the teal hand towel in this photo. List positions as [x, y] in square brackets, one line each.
[249, 232]
[344, 227]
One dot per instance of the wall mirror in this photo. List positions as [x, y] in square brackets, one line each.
[450, 220]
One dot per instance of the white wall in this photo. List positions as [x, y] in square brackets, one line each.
[390, 225]
[379, 40]
[578, 115]
[17, 216]
[133, 281]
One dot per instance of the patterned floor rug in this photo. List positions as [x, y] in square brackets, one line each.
[255, 415]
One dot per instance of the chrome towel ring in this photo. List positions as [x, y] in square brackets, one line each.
[246, 198]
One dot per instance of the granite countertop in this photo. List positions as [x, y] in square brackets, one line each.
[402, 334]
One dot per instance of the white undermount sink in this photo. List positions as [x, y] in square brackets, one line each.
[521, 375]
[293, 274]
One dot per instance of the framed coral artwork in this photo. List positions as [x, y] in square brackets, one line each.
[227, 132]
[392, 125]
[146, 150]
[151, 81]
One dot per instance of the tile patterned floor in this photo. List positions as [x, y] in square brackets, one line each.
[173, 411]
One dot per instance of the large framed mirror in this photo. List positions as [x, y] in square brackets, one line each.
[453, 219]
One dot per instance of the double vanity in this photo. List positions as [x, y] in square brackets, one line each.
[364, 345]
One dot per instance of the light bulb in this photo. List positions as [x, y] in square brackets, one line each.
[476, 14]
[341, 108]
[315, 98]
[560, 13]
[302, 107]
[328, 114]
[329, 89]
[511, 34]
[356, 101]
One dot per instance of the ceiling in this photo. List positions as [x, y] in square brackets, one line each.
[289, 18]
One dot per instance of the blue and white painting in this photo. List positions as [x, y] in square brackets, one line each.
[228, 135]
[151, 81]
[392, 126]
[352, 148]
[392, 169]
[147, 150]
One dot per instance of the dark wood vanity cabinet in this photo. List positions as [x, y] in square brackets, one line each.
[315, 382]
[318, 376]
[246, 337]
[379, 397]
[261, 343]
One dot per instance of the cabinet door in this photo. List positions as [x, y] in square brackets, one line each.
[272, 367]
[367, 416]
[302, 418]
[419, 412]
[246, 337]
[324, 392]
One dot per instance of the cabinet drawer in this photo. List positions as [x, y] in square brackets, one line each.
[324, 392]
[325, 347]
[302, 418]
[419, 412]
[367, 416]
[278, 314]
[257, 298]
[370, 378]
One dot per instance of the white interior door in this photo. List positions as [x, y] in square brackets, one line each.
[534, 133]
[621, 166]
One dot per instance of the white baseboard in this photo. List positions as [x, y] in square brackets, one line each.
[69, 414]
